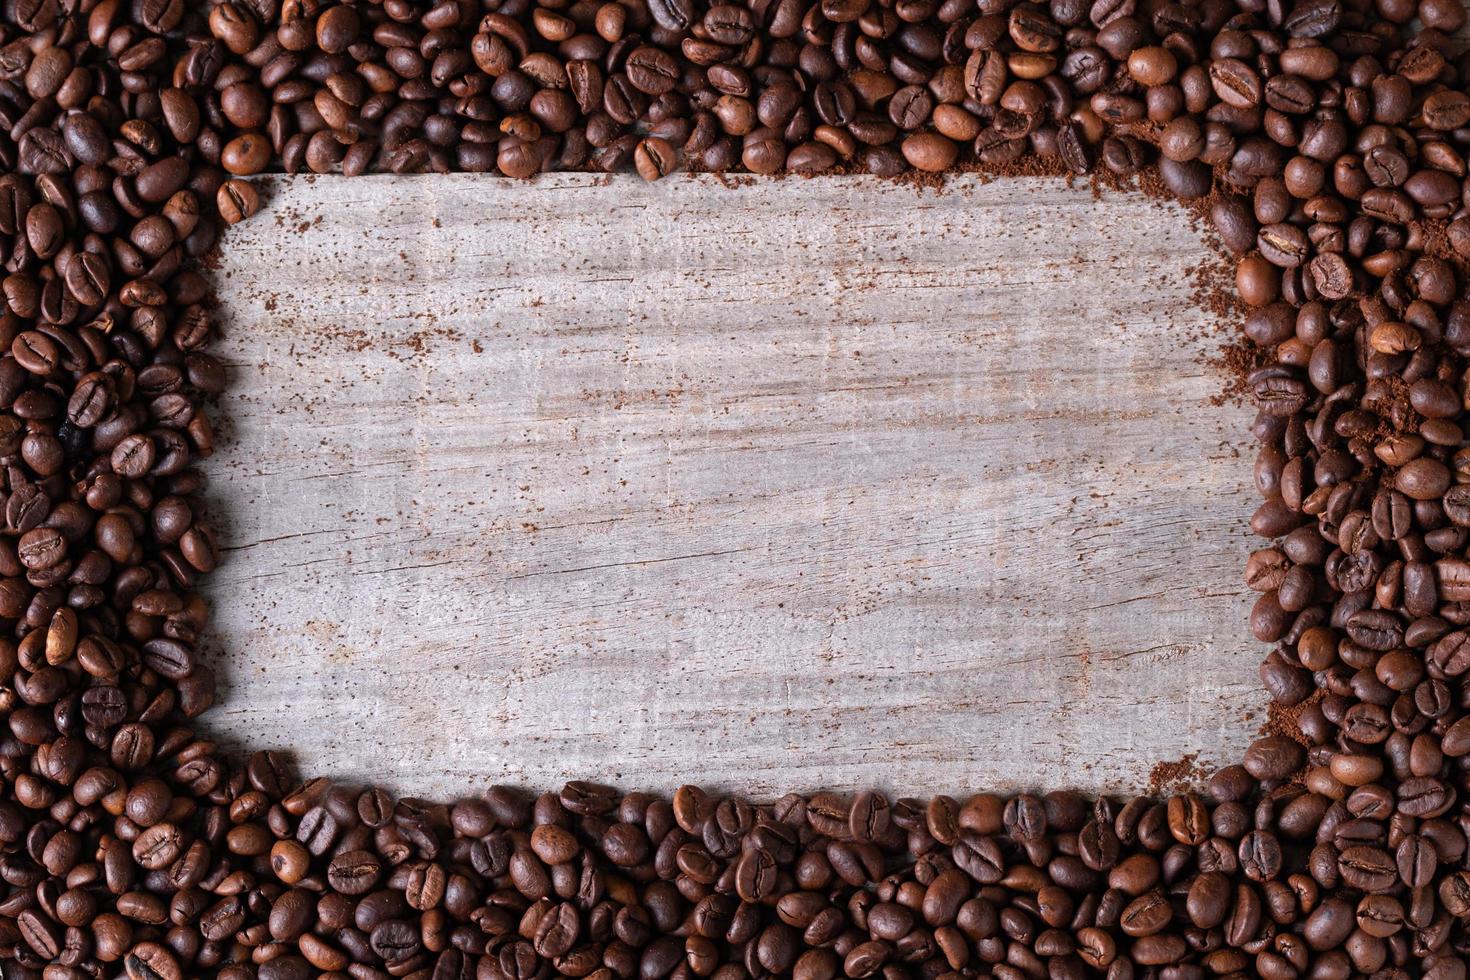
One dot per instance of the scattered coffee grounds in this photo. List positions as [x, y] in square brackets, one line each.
[1182, 773]
[1326, 142]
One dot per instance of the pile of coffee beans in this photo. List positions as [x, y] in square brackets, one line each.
[1326, 141]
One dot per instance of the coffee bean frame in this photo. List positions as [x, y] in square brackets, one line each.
[1326, 143]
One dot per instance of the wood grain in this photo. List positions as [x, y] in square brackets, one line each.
[809, 483]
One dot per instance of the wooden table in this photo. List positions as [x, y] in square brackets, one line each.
[803, 483]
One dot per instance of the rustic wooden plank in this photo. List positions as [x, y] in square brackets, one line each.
[812, 482]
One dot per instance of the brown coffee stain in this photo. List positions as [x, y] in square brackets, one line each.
[1180, 775]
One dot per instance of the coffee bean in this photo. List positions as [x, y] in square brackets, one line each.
[755, 876]
[652, 71]
[1283, 245]
[41, 934]
[1185, 179]
[1260, 855]
[1273, 758]
[866, 959]
[672, 15]
[1423, 479]
[247, 154]
[1235, 83]
[337, 28]
[557, 931]
[1209, 899]
[1331, 275]
[1445, 110]
[1075, 152]
[869, 816]
[930, 152]
[237, 200]
[354, 872]
[158, 846]
[1367, 869]
[654, 158]
[395, 942]
[1146, 915]
[625, 845]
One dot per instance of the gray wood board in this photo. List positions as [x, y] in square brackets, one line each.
[789, 484]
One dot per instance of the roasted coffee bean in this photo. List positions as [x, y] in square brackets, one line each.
[1235, 83]
[1367, 869]
[654, 158]
[354, 872]
[237, 200]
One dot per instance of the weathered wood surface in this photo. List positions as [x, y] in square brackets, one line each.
[808, 483]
